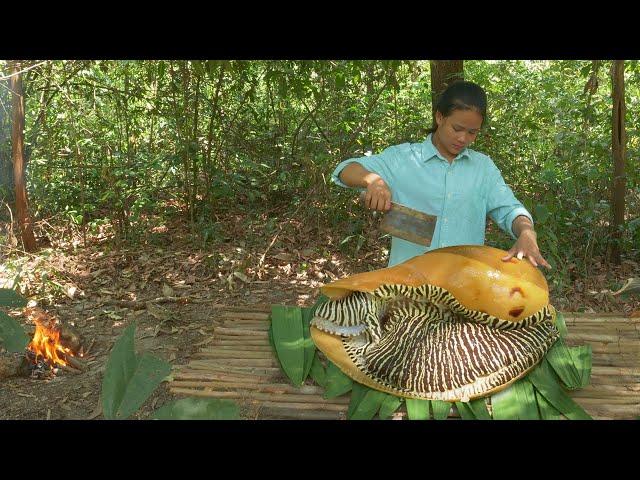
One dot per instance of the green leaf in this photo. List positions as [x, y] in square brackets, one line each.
[560, 358]
[11, 298]
[288, 338]
[12, 335]
[582, 360]
[546, 382]
[150, 373]
[464, 409]
[417, 409]
[337, 382]
[516, 402]
[129, 380]
[317, 372]
[479, 409]
[561, 324]
[390, 404]
[308, 345]
[198, 409]
[440, 409]
[365, 402]
[547, 412]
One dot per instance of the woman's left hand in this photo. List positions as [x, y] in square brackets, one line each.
[527, 246]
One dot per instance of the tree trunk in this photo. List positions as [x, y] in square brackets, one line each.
[618, 148]
[443, 73]
[17, 155]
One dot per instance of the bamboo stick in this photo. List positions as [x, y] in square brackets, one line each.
[258, 307]
[262, 387]
[306, 406]
[610, 401]
[278, 413]
[614, 411]
[234, 354]
[246, 315]
[239, 341]
[615, 371]
[267, 397]
[242, 362]
[242, 325]
[247, 348]
[603, 337]
[222, 332]
[221, 377]
[231, 368]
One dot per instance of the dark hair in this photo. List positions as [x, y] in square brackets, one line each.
[461, 95]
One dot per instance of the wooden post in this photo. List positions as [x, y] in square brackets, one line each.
[17, 155]
[618, 148]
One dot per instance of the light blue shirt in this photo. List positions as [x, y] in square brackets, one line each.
[461, 194]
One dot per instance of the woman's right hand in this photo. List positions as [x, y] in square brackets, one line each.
[377, 196]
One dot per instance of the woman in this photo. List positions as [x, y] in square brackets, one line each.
[443, 177]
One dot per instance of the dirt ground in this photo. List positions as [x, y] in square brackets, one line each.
[172, 290]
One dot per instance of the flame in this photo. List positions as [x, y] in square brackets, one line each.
[46, 341]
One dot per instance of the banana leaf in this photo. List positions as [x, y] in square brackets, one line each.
[10, 298]
[547, 412]
[465, 411]
[440, 409]
[390, 404]
[547, 383]
[516, 402]
[561, 324]
[479, 409]
[418, 409]
[365, 402]
[12, 335]
[562, 362]
[317, 371]
[288, 338]
[337, 382]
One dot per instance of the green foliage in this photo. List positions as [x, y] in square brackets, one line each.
[11, 298]
[130, 379]
[12, 336]
[132, 143]
[288, 337]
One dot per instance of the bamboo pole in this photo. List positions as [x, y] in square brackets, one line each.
[261, 388]
[242, 325]
[221, 377]
[243, 315]
[240, 331]
[280, 413]
[615, 371]
[234, 354]
[239, 362]
[224, 340]
[275, 398]
[204, 365]
[247, 348]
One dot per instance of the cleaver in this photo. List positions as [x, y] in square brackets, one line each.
[407, 223]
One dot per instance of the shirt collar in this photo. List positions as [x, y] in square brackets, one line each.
[429, 151]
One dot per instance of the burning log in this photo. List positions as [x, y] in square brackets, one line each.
[55, 343]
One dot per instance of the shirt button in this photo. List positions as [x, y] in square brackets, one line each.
[448, 195]
[446, 220]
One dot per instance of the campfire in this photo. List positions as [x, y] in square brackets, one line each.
[54, 343]
[55, 346]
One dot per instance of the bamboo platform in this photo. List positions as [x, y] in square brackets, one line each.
[238, 363]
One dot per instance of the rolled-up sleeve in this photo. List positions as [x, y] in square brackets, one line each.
[380, 164]
[502, 205]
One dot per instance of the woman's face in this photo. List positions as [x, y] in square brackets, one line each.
[457, 131]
